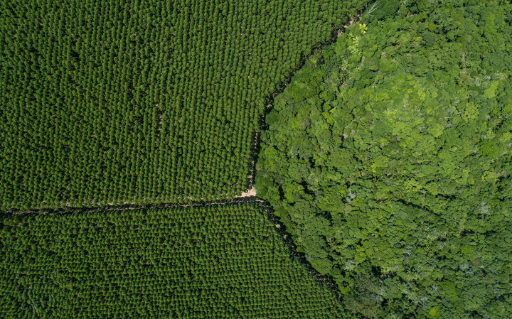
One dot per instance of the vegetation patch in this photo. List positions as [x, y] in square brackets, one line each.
[388, 160]
[199, 262]
[142, 102]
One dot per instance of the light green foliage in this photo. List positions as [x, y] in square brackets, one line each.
[404, 161]
[143, 101]
[208, 262]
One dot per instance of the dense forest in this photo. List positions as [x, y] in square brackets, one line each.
[388, 159]
[115, 102]
[207, 262]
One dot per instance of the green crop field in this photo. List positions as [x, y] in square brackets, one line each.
[114, 102]
[208, 262]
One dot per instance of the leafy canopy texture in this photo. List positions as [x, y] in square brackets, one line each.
[388, 160]
[209, 262]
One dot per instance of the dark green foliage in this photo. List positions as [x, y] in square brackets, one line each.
[209, 262]
[395, 178]
[113, 102]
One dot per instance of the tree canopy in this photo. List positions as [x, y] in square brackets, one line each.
[115, 102]
[224, 261]
[388, 159]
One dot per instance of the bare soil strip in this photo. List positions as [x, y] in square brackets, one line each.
[248, 193]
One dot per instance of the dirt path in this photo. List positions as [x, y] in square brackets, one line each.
[248, 193]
